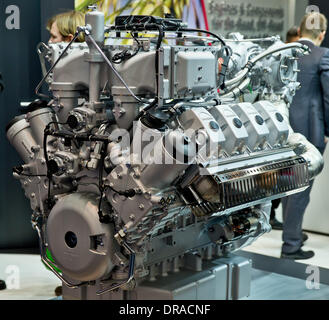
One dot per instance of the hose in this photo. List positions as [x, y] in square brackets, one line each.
[262, 55]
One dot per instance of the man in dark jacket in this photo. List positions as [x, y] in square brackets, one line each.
[2, 283]
[309, 115]
[291, 36]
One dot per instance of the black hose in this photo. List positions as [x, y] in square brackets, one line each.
[221, 40]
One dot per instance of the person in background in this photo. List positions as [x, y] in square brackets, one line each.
[275, 223]
[2, 86]
[291, 36]
[2, 282]
[308, 115]
[63, 26]
[3, 285]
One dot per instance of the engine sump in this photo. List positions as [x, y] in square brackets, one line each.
[248, 186]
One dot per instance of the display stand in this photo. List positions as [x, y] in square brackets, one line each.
[220, 279]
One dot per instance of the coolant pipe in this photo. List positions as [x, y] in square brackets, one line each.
[237, 91]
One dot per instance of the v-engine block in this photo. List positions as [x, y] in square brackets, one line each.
[154, 156]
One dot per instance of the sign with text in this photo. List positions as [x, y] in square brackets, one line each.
[252, 18]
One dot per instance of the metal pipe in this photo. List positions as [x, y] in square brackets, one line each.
[42, 54]
[50, 264]
[262, 55]
[273, 39]
[94, 82]
[53, 67]
[87, 33]
[237, 91]
[309, 152]
[130, 273]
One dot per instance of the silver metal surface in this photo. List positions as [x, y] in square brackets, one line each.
[115, 210]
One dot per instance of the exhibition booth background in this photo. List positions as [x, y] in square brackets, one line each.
[21, 72]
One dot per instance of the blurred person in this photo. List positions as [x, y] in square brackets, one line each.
[2, 282]
[292, 35]
[2, 86]
[3, 285]
[309, 115]
[274, 222]
[63, 26]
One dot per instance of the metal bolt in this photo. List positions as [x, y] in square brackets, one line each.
[141, 206]
[35, 149]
